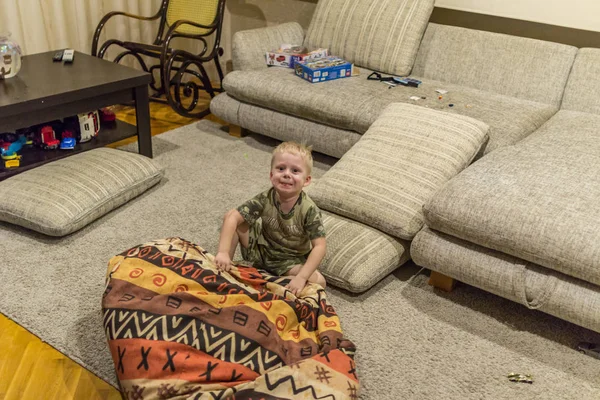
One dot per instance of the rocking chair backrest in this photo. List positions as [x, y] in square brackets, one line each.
[199, 11]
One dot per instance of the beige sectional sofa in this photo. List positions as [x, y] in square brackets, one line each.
[522, 221]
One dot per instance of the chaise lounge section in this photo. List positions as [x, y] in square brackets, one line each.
[523, 222]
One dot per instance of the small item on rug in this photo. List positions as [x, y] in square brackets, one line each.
[440, 97]
[514, 377]
[390, 84]
[323, 69]
[288, 55]
[450, 105]
[591, 349]
[441, 91]
[415, 98]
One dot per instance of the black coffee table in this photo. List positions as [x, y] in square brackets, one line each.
[45, 90]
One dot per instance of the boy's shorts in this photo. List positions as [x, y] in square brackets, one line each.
[255, 253]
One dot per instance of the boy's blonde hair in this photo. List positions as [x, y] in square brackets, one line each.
[298, 149]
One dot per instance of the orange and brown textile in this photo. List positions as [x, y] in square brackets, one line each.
[179, 328]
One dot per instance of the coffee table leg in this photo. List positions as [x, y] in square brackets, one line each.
[142, 116]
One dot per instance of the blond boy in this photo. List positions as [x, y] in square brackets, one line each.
[281, 229]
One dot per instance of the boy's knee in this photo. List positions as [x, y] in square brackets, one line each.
[319, 279]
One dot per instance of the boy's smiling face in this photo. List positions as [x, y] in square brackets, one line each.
[289, 174]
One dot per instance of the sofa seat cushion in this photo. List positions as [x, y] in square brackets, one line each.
[404, 158]
[284, 126]
[534, 286]
[63, 196]
[355, 103]
[359, 256]
[537, 200]
[376, 34]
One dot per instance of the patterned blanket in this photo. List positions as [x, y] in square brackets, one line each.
[178, 328]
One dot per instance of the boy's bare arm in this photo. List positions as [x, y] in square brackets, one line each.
[319, 247]
[230, 223]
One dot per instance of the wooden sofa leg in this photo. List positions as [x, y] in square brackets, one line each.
[441, 281]
[237, 131]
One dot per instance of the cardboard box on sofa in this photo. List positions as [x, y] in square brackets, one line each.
[288, 56]
[324, 69]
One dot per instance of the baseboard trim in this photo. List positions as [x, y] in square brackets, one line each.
[516, 27]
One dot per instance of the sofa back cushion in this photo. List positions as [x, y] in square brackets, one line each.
[525, 68]
[382, 35]
[581, 93]
[406, 156]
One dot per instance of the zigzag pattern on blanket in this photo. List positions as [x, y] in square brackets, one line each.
[176, 325]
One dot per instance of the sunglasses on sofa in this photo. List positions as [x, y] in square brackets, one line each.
[376, 76]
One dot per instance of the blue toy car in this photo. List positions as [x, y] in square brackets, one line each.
[67, 143]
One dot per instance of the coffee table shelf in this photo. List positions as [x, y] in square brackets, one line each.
[45, 90]
[33, 156]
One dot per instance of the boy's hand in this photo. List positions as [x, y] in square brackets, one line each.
[296, 285]
[223, 261]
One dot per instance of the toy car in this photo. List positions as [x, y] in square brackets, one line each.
[68, 143]
[9, 150]
[89, 126]
[28, 133]
[107, 115]
[47, 138]
[591, 349]
[13, 163]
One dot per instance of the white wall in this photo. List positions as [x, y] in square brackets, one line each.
[580, 14]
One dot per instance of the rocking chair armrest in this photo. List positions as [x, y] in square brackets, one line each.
[111, 14]
[249, 47]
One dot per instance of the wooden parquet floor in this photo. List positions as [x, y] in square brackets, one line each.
[31, 369]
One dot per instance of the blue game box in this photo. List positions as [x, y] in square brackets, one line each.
[323, 69]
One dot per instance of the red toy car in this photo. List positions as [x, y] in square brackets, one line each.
[48, 138]
[107, 115]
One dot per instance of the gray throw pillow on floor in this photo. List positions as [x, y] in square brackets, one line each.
[63, 196]
[359, 256]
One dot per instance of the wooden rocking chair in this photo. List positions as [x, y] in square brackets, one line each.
[199, 20]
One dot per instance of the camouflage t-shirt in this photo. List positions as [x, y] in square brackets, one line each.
[278, 241]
